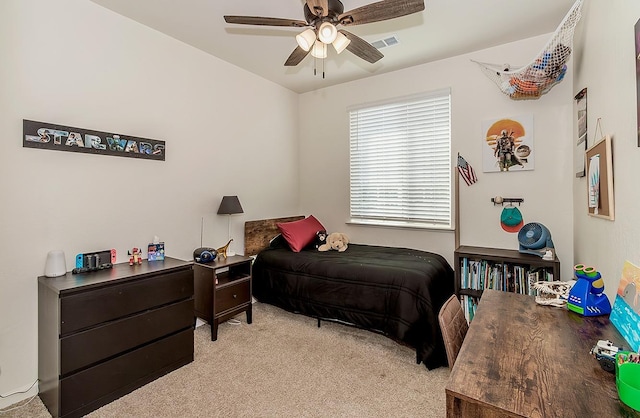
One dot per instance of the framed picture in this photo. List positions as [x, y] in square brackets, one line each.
[599, 160]
[581, 143]
[508, 144]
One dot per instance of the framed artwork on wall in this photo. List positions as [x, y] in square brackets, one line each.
[581, 143]
[599, 160]
[508, 144]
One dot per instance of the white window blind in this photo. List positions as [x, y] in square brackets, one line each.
[400, 157]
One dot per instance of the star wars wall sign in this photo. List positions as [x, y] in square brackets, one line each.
[67, 138]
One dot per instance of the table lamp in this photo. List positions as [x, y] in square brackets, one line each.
[230, 205]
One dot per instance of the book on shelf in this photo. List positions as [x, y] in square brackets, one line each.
[510, 277]
[469, 306]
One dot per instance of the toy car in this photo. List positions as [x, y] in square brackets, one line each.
[605, 352]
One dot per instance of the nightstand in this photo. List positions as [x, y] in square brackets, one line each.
[222, 289]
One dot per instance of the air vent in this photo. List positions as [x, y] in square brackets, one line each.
[390, 41]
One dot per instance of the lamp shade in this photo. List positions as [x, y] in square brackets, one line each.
[306, 39]
[341, 43]
[327, 33]
[319, 50]
[230, 205]
[56, 264]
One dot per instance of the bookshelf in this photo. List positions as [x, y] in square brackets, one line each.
[479, 268]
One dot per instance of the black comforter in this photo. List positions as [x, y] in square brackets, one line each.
[395, 291]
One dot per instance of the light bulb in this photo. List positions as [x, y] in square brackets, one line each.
[327, 33]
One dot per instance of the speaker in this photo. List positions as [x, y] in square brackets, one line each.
[55, 265]
[204, 255]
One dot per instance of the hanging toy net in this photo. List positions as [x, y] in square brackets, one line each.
[547, 70]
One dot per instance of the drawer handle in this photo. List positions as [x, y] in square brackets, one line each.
[235, 296]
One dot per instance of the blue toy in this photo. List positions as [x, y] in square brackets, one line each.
[540, 64]
[587, 295]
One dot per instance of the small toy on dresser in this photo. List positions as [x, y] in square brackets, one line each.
[155, 251]
[134, 256]
[335, 241]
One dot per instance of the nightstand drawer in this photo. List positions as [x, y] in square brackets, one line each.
[233, 295]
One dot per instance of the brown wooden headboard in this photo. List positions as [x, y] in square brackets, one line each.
[257, 234]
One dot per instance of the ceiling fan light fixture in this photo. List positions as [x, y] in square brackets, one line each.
[306, 39]
[327, 33]
[319, 50]
[319, 27]
[341, 43]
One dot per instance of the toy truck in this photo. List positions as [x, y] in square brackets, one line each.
[605, 352]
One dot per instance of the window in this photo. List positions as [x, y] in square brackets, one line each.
[400, 155]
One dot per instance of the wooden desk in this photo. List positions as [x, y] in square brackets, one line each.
[520, 359]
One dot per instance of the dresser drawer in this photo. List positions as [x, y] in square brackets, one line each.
[88, 347]
[98, 385]
[85, 309]
[233, 295]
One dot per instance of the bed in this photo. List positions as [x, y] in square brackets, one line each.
[397, 292]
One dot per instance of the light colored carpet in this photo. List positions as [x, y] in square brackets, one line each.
[284, 365]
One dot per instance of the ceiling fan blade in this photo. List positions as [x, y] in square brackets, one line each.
[319, 7]
[381, 10]
[362, 48]
[296, 56]
[265, 21]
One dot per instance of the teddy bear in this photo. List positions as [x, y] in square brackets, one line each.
[321, 239]
[335, 241]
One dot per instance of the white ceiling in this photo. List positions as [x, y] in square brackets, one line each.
[444, 29]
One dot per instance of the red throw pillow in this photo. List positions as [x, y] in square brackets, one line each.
[299, 234]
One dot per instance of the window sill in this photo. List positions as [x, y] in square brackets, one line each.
[400, 225]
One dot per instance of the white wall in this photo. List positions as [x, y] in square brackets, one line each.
[606, 66]
[324, 149]
[74, 63]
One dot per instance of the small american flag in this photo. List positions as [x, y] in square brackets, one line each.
[466, 171]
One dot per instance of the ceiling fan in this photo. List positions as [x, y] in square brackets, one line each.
[322, 17]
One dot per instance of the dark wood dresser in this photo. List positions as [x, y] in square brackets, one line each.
[103, 334]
